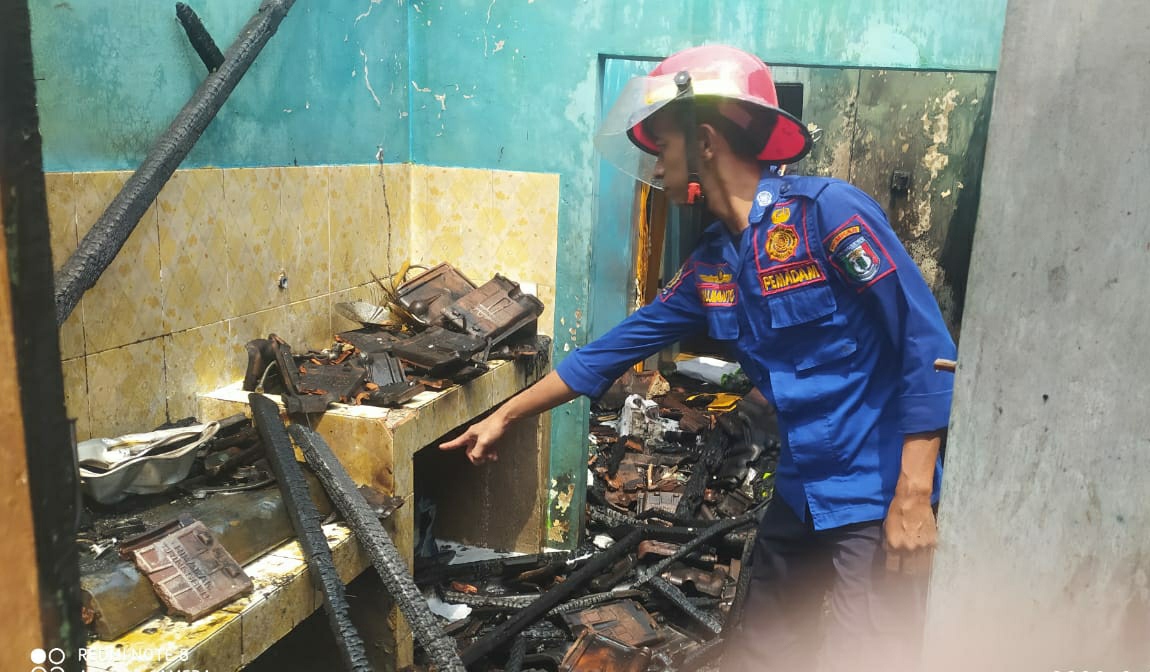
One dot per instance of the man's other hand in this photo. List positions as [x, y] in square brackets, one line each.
[909, 534]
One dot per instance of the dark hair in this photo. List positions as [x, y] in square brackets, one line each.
[746, 139]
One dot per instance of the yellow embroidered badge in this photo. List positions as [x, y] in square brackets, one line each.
[782, 241]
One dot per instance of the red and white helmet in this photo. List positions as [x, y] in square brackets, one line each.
[718, 72]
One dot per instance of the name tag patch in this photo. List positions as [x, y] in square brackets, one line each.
[791, 276]
[718, 294]
[838, 238]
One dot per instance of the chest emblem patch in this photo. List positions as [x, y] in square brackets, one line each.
[781, 215]
[782, 241]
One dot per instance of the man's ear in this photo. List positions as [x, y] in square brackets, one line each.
[709, 139]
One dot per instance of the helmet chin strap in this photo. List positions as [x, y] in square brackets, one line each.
[686, 96]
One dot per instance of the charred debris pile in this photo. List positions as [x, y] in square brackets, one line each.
[161, 505]
[676, 478]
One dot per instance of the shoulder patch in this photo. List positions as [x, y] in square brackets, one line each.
[836, 239]
[857, 254]
[676, 280]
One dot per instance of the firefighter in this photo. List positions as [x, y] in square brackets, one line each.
[832, 321]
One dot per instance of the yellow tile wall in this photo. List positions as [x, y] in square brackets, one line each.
[488, 221]
[193, 235]
[198, 277]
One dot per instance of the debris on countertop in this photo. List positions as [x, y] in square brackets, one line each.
[436, 329]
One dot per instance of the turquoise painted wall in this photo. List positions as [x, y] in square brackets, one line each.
[514, 84]
[329, 88]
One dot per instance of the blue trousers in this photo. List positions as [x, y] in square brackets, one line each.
[871, 619]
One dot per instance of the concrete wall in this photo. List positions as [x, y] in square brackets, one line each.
[1044, 557]
[199, 276]
[515, 85]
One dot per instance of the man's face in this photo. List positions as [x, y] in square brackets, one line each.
[671, 166]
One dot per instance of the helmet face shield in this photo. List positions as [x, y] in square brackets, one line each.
[717, 74]
[640, 99]
[622, 138]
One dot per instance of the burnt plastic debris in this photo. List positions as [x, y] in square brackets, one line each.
[191, 572]
[307, 383]
[624, 621]
[593, 652]
[439, 329]
[494, 311]
[428, 295]
[439, 351]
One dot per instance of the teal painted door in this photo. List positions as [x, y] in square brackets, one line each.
[612, 288]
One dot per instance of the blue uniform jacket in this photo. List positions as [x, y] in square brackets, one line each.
[829, 317]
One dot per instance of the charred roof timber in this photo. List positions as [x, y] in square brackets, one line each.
[107, 236]
[379, 547]
[305, 518]
[201, 41]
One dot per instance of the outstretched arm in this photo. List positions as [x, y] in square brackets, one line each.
[591, 369]
[479, 439]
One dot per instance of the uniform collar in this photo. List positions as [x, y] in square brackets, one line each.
[770, 188]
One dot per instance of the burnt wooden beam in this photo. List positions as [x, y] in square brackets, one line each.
[377, 543]
[107, 236]
[677, 598]
[198, 35]
[742, 585]
[539, 608]
[306, 520]
[718, 528]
